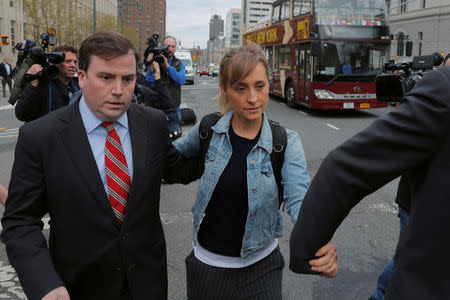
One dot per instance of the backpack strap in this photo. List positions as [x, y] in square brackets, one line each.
[279, 142]
[205, 133]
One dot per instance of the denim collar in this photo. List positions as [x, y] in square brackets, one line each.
[265, 140]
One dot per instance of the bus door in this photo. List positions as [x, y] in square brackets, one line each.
[304, 72]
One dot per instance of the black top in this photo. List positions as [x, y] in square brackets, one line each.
[223, 225]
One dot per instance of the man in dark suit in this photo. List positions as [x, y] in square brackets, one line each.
[5, 75]
[95, 167]
[414, 140]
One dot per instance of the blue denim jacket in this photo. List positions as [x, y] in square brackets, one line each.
[264, 220]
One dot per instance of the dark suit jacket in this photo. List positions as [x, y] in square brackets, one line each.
[3, 70]
[414, 140]
[55, 172]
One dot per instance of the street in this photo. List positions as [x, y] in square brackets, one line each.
[365, 241]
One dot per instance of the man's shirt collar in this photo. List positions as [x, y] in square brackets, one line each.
[91, 121]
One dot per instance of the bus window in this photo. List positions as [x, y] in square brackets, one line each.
[268, 53]
[308, 64]
[306, 7]
[283, 59]
[284, 11]
[296, 7]
[276, 14]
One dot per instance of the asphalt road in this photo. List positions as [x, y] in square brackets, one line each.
[365, 241]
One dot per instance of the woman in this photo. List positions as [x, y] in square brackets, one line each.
[237, 221]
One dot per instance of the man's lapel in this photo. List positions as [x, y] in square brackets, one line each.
[74, 137]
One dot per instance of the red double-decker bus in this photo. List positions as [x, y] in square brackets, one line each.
[325, 54]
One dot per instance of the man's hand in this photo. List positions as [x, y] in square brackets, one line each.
[60, 293]
[3, 194]
[327, 261]
[157, 74]
[166, 63]
[33, 70]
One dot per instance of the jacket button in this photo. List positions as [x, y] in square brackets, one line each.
[125, 236]
[118, 269]
[254, 190]
[252, 162]
[131, 267]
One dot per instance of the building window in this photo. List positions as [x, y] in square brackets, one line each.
[13, 36]
[401, 44]
[424, 3]
[388, 4]
[403, 6]
[11, 3]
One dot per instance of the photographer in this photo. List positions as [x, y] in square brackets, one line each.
[174, 76]
[414, 140]
[5, 75]
[41, 96]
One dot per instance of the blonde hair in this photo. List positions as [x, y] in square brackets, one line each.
[235, 66]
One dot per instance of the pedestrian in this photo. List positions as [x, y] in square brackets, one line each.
[237, 221]
[5, 75]
[95, 168]
[174, 76]
[44, 95]
[413, 140]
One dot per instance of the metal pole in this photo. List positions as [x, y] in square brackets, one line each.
[21, 20]
[95, 16]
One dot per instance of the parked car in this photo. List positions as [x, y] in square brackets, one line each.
[203, 71]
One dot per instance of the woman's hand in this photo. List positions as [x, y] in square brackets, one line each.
[327, 261]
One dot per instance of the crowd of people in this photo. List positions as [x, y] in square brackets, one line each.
[93, 159]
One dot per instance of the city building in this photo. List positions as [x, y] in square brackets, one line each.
[215, 26]
[145, 17]
[10, 30]
[425, 23]
[253, 11]
[198, 56]
[215, 50]
[233, 28]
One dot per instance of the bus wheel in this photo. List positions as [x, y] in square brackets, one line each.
[290, 95]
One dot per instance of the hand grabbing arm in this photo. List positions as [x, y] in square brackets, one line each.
[326, 264]
[60, 293]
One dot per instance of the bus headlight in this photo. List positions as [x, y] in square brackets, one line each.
[323, 94]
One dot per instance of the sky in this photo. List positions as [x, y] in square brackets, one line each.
[188, 20]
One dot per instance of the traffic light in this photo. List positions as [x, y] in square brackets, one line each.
[214, 53]
[4, 40]
[193, 57]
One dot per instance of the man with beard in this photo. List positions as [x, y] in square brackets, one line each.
[41, 96]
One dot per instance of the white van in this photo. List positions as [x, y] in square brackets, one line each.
[185, 56]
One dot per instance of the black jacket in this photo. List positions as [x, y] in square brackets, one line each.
[34, 102]
[3, 72]
[55, 172]
[414, 140]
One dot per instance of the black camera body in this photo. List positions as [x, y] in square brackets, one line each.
[30, 54]
[397, 80]
[157, 49]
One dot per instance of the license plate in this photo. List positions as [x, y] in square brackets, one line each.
[349, 105]
[364, 105]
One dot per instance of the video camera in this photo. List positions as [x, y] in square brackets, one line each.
[397, 80]
[157, 49]
[30, 54]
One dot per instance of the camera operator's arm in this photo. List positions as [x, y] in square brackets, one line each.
[163, 95]
[149, 76]
[180, 76]
[30, 101]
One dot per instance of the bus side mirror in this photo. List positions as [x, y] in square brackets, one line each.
[409, 48]
[315, 48]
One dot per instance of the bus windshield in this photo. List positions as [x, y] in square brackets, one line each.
[350, 12]
[350, 59]
[187, 62]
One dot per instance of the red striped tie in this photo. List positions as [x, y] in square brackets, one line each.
[117, 174]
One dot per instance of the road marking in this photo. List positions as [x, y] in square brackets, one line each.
[331, 126]
[9, 283]
[302, 112]
[9, 133]
[6, 107]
